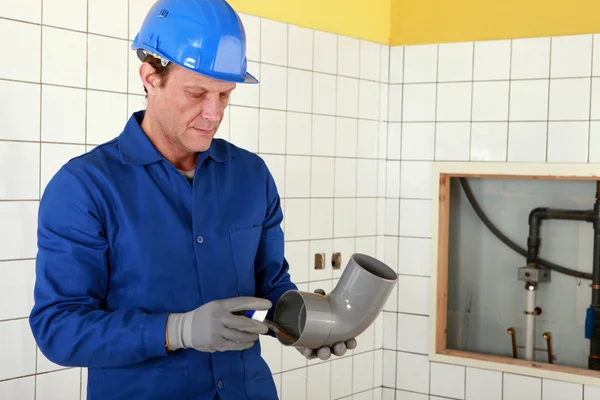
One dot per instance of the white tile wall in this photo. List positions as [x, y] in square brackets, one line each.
[318, 118]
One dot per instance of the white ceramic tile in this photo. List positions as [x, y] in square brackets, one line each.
[379, 331]
[366, 181]
[490, 101]
[414, 256]
[413, 372]
[276, 165]
[396, 64]
[370, 58]
[568, 142]
[591, 392]
[403, 395]
[413, 334]
[452, 141]
[392, 208]
[63, 114]
[248, 95]
[21, 389]
[24, 10]
[299, 129]
[570, 99]
[517, 387]
[297, 176]
[595, 113]
[273, 42]
[107, 63]
[418, 141]
[454, 102]
[594, 142]
[381, 221]
[322, 177]
[134, 82]
[448, 380]
[319, 381]
[363, 372]
[108, 17]
[297, 256]
[273, 92]
[325, 59]
[44, 365]
[455, 62]
[555, 390]
[346, 137]
[596, 57]
[320, 275]
[137, 12]
[529, 100]
[106, 116]
[395, 95]
[24, 53]
[489, 141]
[321, 218]
[483, 384]
[293, 383]
[420, 63]
[492, 60]
[18, 230]
[382, 140]
[323, 135]
[413, 295]
[571, 56]
[347, 97]
[367, 395]
[16, 289]
[530, 58]
[389, 372]
[527, 141]
[297, 219]
[419, 103]
[341, 382]
[22, 117]
[345, 177]
[324, 94]
[17, 344]
[277, 379]
[368, 104]
[348, 56]
[24, 158]
[416, 179]
[392, 173]
[65, 58]
[344, 217]
[299, 90]
[300, 47]
[394, 141]
[54, 156]
[366, 245]
[366, 217]
[368, 135]
[272, 132]
[243, 129]
[271, 352]
[385, 64]
[383, 101]
[136, 103]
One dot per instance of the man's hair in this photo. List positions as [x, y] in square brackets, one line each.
[162, 72]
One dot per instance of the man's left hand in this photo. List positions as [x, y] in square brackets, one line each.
[325, 352]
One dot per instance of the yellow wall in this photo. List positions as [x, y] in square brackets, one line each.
[363, 19]
[439, 21]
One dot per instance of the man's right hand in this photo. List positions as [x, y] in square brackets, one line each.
[213, 326]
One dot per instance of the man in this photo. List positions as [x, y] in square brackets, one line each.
[151, 245]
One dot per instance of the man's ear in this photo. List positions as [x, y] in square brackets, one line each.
[150, 79]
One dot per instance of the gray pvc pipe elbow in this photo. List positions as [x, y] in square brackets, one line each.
[312, 320]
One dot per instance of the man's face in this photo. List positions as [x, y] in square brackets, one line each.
[189, 108]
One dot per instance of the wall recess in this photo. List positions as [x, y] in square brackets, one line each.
[516, 268]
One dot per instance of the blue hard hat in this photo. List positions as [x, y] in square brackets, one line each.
[204, 36]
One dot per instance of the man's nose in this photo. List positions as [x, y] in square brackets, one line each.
[211, 110]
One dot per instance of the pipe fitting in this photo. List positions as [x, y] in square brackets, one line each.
[313, 320]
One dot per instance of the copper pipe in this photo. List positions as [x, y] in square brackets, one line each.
[511, 332]
[548, 338]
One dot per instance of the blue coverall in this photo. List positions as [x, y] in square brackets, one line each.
[124, 239]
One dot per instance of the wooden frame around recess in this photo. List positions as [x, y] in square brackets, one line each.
[438, 352]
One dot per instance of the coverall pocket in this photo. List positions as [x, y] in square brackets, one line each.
[244, 247]
[146, 383]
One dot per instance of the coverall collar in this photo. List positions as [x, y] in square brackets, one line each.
[136, 148]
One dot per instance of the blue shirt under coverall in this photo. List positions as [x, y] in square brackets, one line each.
[124, 239]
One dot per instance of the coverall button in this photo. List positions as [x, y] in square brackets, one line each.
[200, 239]
[220, 384]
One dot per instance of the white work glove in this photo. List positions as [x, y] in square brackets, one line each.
[214, 326]
[324, 353]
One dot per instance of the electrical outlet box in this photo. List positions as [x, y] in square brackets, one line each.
[336, 260]
[320, 261]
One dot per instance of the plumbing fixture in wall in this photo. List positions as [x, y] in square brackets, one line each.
[336, 260]
[320, 261]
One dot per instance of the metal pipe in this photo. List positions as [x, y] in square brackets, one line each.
[594, 357]
[513, 339]
[530, 288]
[315, 320]
[548, 338]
